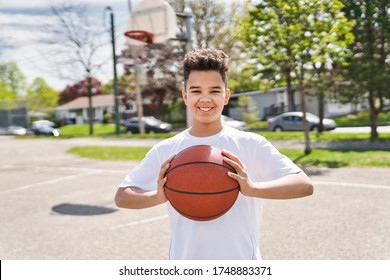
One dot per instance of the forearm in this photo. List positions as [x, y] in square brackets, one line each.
[135, 198]
[290, 186]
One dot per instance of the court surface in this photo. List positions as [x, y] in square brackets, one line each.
[57, 206]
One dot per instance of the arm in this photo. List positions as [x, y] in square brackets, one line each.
[136, 198]
[290, 186]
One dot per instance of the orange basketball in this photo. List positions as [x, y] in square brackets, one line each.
[198, 186]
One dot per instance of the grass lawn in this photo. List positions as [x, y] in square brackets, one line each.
[339, 158]
[324, 136]
[108, 131]
[110, 152]
[104, 131]
[361, 119]
[317, 158]
[76, 130]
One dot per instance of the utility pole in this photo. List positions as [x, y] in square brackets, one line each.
[187, 14]
[115, 81]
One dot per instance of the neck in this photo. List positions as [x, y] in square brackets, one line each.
[204, 130]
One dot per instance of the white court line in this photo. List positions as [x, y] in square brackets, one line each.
[64, 168]
[43, 183]
[140, 222]
[353, 185]
[87, 171]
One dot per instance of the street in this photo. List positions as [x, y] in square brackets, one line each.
[55, 205]
[362, 129]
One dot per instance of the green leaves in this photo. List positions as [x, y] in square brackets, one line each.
[282, 34]
[41, 97]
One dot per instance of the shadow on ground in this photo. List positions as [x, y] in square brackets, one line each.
[81, 210]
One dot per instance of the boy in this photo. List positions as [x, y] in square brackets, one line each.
[262, 172]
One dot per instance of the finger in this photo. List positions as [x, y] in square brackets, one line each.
[167, 161]
[231, 162]
[238, 166]
[162, 182]
[229, 154]
[235, 176]
[164, 168]
[232, 157]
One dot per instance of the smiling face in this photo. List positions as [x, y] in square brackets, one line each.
[205, 96]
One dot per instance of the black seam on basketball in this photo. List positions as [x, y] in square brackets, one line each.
[203, 217]
[203, 193]
[200, 162]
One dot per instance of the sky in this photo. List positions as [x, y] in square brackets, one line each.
[22, 24]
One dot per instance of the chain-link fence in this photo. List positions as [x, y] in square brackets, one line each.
[13, 112]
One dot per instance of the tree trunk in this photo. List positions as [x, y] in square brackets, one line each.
[373, 116]
[90, 107]
[305, 126]
[321, 104]
[140, 106]
[290, 96]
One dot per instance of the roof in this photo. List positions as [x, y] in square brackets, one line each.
[258, 92]
[82, 102]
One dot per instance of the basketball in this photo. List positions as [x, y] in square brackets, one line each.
[198, 186]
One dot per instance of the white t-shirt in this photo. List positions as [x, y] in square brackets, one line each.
[236, 234]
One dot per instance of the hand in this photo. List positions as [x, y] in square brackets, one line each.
[241, 176]
[161, 197]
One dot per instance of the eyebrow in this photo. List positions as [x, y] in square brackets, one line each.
[198, 87]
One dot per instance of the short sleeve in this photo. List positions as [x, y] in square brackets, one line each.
[145, 175]
[274, 164]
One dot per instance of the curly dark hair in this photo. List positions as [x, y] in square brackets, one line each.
[205, 60]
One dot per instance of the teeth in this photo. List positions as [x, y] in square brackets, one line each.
[205, 109]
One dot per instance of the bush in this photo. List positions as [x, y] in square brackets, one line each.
[107, 118]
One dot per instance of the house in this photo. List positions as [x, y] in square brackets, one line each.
[274, 102]
[76, 111]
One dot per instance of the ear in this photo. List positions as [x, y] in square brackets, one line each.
[227, 96]
[184, 96]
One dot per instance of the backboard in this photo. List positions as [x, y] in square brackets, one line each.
[156, 17]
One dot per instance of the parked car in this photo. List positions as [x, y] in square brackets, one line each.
[16, 130]
[45, 127]
[294, 121]
[152, 125]
[234, 123]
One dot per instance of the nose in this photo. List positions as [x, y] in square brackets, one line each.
[205, 98]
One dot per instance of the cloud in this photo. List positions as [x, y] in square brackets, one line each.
[24, 25]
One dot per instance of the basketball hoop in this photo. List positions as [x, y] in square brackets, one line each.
[151, 21]
[140, 35]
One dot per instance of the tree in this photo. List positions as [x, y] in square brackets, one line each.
[161, 64]
[7, 97]
[76, 46]
[369, 68]
[41, 97]
[126, 88]
[79, 89]
[250, 114]
[243, 80]
[289, 40]
[214, 24]
[12, 79]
